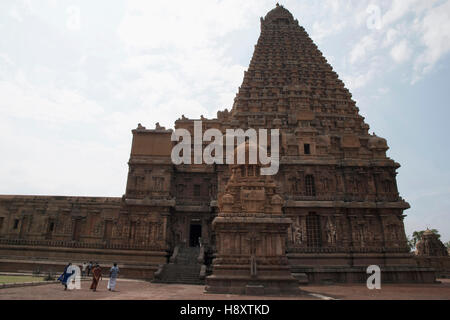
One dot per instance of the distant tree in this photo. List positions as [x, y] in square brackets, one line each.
[417, 235]
[411, 244]
[447, 244]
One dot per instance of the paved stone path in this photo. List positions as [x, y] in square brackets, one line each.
[140, 290]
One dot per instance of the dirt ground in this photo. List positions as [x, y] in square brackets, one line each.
[141, 290]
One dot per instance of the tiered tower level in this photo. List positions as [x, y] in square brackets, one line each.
[334, 174]
[336, 184]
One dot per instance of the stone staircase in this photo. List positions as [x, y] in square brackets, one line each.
[184, 268]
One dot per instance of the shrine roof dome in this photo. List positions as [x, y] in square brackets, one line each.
[279, 12]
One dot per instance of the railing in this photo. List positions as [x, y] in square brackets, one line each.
[77, 244]
[346, 250]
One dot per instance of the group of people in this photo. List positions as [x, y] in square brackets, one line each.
[96, 275]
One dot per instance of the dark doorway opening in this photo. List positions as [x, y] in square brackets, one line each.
[307, 148]
[194, 234]
[50, 228]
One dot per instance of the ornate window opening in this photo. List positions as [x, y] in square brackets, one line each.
[196, 190]
[158, 183]
[313, 230]
[16, 223]
[180, 189]
[310, 186]
[307, 148]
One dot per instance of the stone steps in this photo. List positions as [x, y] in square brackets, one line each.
[185, 269]
[301, 277]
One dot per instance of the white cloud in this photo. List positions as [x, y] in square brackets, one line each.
[23, 100]
[175, 57]
[401, 52]
[413, 33]
[397, 10]
[182, 24]
[324, 29]
[15, 14]
[57, 165]
[359, 80]
[435, 36]
[390, 37]
[362, 49]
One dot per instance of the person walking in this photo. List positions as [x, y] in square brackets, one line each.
[89, 268]
[65, 275]
[113, 273]
[96, 277]
[83, 269]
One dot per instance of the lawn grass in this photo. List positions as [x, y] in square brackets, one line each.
[19, 279]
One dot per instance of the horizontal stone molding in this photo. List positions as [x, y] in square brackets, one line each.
[151, 202]
[344, 204]
[317, 161]
[74, 244]
[294, 251]
[187, 208]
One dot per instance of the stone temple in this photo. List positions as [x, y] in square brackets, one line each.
[332, 209]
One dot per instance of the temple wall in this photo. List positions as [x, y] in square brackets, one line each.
[84, 219]
[440, 264]
[45, 233]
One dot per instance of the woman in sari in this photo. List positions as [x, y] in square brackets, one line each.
[96, 277]
[65, 276]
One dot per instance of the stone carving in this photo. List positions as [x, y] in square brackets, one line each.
[331, 232]
[158, 127]
[297, 233]
[158, 183]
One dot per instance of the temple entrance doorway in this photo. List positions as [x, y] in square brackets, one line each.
[195, 232]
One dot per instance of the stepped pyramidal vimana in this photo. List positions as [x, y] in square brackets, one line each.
[331, 210]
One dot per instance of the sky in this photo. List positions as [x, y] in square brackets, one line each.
[77, 76]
